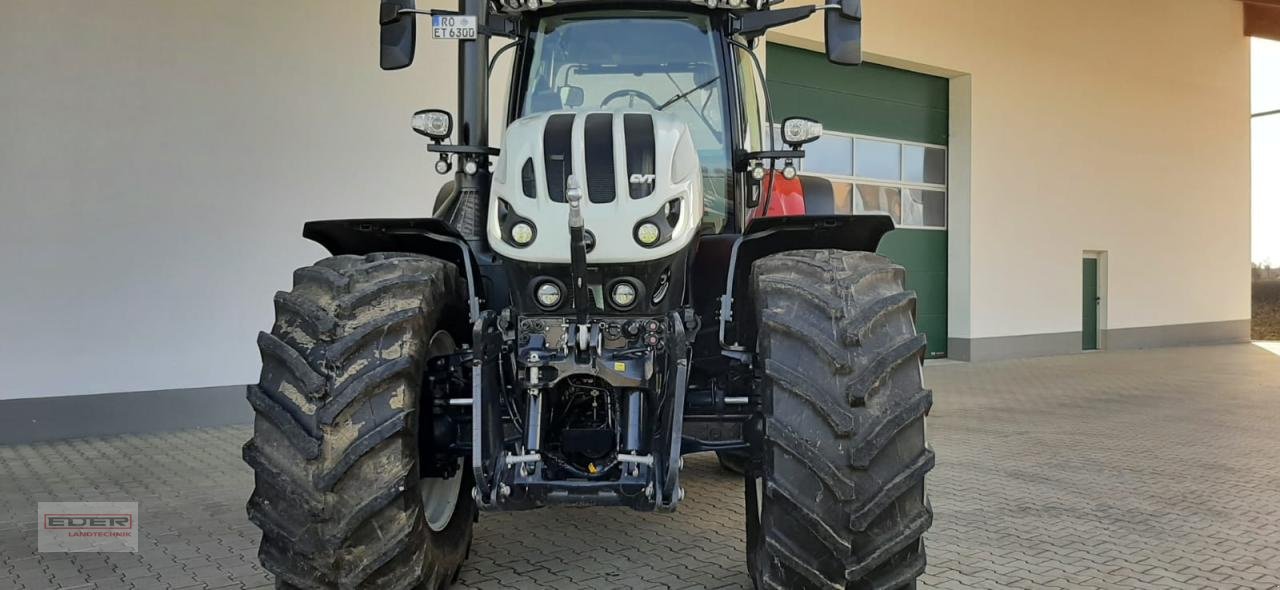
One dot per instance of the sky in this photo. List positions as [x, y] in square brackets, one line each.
[1266, 152]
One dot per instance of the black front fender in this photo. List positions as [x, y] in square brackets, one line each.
[770, 235]
[428, 236]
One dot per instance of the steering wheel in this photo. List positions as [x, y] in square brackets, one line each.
[632, 94]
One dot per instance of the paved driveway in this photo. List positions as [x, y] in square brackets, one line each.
[1146, 469]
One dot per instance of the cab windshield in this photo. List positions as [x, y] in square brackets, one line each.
[628, 60]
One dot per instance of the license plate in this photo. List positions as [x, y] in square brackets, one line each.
[453, 27]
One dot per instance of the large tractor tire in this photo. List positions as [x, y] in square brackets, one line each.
[836, 499]
[335, 445]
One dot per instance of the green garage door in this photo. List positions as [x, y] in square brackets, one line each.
[885, 150]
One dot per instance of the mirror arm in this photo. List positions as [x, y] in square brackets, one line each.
[464, 149]
[753, 24]
[773, 155]
[397, 15]
[837, 7]
[501, 25]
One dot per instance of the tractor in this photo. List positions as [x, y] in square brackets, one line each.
[638, 272]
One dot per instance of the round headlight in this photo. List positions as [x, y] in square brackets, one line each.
[522, 233]
[548, 295]
[647, 234]
[624, 295]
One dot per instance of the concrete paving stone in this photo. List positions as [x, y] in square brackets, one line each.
[1151, 469]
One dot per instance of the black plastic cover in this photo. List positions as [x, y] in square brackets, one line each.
[598, 143]
[557, 147]
[641, 156]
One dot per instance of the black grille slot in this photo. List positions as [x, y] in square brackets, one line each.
[528, 183]
[640, 154]
[598, 141]
[557, 147]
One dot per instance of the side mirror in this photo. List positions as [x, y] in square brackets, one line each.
[572, 96]
[844, 33]
[399, 33]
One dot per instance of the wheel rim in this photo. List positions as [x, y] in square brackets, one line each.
[439, 495]
[440, 498]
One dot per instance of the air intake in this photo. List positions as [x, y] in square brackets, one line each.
[598, 146]
[640, 154]
[557, 147]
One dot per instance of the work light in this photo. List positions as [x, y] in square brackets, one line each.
[623, 295]
[522, 233]
[433, 123]
[647, 234]
[548, 295]
[797, 131]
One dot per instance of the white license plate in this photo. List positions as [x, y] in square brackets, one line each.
[453, 27]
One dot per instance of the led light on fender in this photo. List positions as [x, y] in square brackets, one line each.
[757, 172]
[623, 294]
[522, 233]
[647, 234]
[548, 295]
[789, 172]
[470, 167]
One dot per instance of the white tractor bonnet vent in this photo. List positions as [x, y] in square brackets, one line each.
[632, 166]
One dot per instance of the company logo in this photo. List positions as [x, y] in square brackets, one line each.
[88, 522]
[643, 178]
[105, 527]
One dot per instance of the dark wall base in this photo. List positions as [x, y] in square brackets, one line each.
[1009, 347]
[75, 416]
[1032, 345]
[1178, 335]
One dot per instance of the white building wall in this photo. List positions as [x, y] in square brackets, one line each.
[157, 161]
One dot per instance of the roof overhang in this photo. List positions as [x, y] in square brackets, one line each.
[1262, 18]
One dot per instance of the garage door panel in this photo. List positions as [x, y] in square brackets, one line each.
[924, 250]
[934, 327]
[860, 114]
[797, 66]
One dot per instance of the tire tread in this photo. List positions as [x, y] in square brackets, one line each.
[844, 408]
